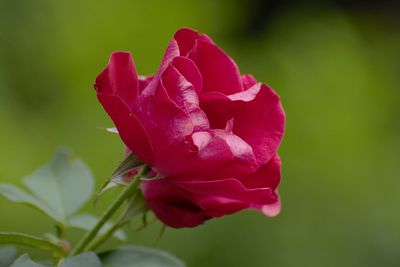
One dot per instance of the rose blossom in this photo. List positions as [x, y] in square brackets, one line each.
[210, 133]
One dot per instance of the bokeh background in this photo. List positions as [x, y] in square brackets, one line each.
[335, 64]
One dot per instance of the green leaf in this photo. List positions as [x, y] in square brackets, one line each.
[87, 222]
[18, 195]
[65, 184]
[88, 259]
[133, 256]
[59, 189]
[7, 256]
[30, 241]
[25, 261]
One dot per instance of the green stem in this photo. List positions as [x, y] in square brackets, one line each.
[31, 241]
[135, 206]
[125, 194]
[104, 237]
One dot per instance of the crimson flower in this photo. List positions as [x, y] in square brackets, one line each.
[210, 133]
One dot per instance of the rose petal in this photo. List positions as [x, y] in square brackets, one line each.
[218, 108]
[273, 209]
[119, 78]
[172, 205]
[220, 73]
[184, 95]
[218, 154]
[259, 118]
[268, 175]
[186, 39]
[246, 96]
[260, 122]
[129, 127]
[207, 155]
[188, 69]
[183, 42]
[270, 210]
[230, 189]
[167, 126]
[248, 81]
[216, 206]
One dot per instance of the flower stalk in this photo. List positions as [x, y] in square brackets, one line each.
[104, 237]
[110, 211]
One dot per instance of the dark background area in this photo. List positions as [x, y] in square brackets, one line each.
[335, 64]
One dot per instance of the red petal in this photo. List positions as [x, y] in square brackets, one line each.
[270, 210]
[185, 97]
[167, 125]
[248, 81]
[218, 108]
[220, 73]
[129, 127]
[218, 154]
[170, 118]
[230, 189]
[258, 116]
[268, 175]
[260, 122]
[183, 42]
[186, 39]
[189, 70]
[119, 78]
[172, 205]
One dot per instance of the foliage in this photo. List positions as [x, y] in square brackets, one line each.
[59, 190]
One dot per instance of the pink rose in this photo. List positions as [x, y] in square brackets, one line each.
[210, 133]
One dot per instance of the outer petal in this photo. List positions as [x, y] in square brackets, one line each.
[248, 81]
[216, 153]
[220, 73]
[129, 127]
[259, 118]
[230, 189]
[268, 175]
[272, 210]
[186, 39]
[216, 206]
[119, 78]
[171, 204]
[188, 204]
[222, 197]
[260, 122]
[206, 155]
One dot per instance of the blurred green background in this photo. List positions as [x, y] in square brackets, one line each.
[336, 66]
